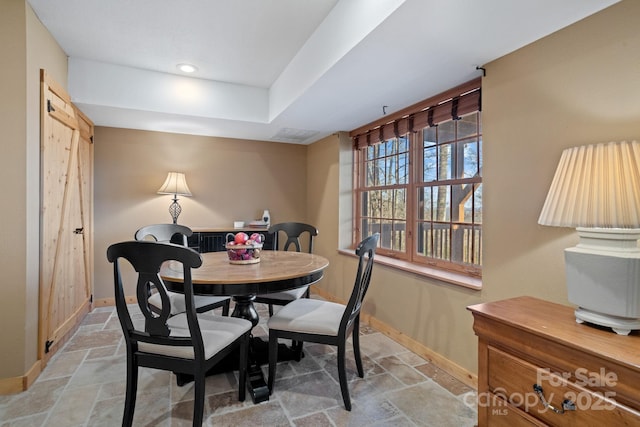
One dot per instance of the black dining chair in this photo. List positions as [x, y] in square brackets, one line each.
[324, 322]
[187, 343]
[166, 233]
[292, 231]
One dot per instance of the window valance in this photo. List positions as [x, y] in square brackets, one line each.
[454, 103]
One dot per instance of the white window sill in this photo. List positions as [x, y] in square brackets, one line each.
[421, 270]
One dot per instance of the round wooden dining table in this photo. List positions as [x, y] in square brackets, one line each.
[277, 271]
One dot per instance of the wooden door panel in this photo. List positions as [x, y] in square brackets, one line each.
[55, 151]
[67, 174]
[69, 280]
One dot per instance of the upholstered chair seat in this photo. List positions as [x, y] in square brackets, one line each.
[309, 315]
[217, 333]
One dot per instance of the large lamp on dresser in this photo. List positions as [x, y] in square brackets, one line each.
[596, 189]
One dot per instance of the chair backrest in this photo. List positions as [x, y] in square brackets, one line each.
[293, 231]
[146, 257]
[164, 232]
[365, 251]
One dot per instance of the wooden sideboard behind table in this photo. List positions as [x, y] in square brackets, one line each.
[213, 239]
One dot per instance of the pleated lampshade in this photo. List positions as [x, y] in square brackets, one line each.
[176, 184]
[595, 185]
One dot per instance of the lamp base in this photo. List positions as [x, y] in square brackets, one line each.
[175, 209]
[620, 325]
[603, 278]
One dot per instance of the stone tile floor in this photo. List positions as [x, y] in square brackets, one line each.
[83, 385]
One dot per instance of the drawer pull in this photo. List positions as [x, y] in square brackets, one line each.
[567, 405]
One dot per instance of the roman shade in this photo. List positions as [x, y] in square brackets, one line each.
[448, 105]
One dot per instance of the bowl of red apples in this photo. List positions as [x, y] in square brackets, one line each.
[243, 248]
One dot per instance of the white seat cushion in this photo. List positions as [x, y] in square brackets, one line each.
[177, 301]
[217, 333]
[290, 295]
[310, 316]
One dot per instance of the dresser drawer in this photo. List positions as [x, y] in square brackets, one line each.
[513, 379]
[502, 414]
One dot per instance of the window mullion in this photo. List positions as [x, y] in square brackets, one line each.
[415, 176]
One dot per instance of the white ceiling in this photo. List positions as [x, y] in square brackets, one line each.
[282, 70]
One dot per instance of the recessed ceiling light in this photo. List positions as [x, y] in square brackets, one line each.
[187, 68]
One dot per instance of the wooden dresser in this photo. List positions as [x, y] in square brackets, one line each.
[537, 366]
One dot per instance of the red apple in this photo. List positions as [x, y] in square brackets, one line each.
[240, 238]
[256, 237]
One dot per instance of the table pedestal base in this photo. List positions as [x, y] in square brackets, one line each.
[245, 309]
[258, 356]
[256, 384]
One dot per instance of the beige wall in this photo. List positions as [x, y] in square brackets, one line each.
[324, 180]
[578, 86]
[230, 179]
[25, 47]
[13, 124]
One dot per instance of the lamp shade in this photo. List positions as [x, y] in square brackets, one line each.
[175, 184]
[595, 185]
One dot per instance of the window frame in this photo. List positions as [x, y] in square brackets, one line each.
[415, 183]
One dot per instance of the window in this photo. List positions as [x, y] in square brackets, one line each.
[418, 182]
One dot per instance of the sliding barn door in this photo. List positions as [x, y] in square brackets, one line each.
[66, 261]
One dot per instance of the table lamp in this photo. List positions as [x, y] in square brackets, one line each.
[175, 184]
[596, 189]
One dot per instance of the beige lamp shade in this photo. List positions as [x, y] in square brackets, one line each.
[595, 186]
[175, 184]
